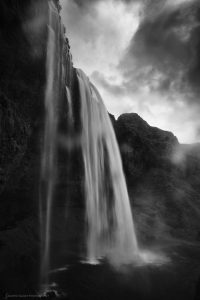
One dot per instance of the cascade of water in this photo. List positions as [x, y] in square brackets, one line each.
[70, 112]
[111, 231]
[110, 225]
[48, 168]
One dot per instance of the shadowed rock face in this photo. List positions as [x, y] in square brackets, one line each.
[143, 147]
[22, 80]
[162, 177]
[23, 38]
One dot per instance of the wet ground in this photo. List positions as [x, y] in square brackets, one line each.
[173, 278]
[171, 273]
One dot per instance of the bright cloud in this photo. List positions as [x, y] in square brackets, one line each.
[142, 56]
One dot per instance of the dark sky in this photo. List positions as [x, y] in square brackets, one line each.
[143, 56]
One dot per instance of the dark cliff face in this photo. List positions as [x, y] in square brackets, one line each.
[162, 177]
[22, 80]
[143, 147]
[23, 39]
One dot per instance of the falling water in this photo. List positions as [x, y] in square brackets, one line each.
[48, 171]
[111, 231]
[110, 225]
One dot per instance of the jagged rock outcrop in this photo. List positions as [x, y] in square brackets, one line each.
[143, 147]
[162, 177]
[23, 38]
[22, 80]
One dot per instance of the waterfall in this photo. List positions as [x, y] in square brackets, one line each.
[111, 231]
[110, 228]
[48, 168]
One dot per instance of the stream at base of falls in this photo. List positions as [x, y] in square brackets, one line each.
[172, 280]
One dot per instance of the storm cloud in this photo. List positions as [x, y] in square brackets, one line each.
[143, 56]
[164, 52]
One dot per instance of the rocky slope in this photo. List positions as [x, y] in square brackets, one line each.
[163, 179]
[23, 36]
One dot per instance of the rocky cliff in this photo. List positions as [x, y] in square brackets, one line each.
[162, 177]
[23, 51]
